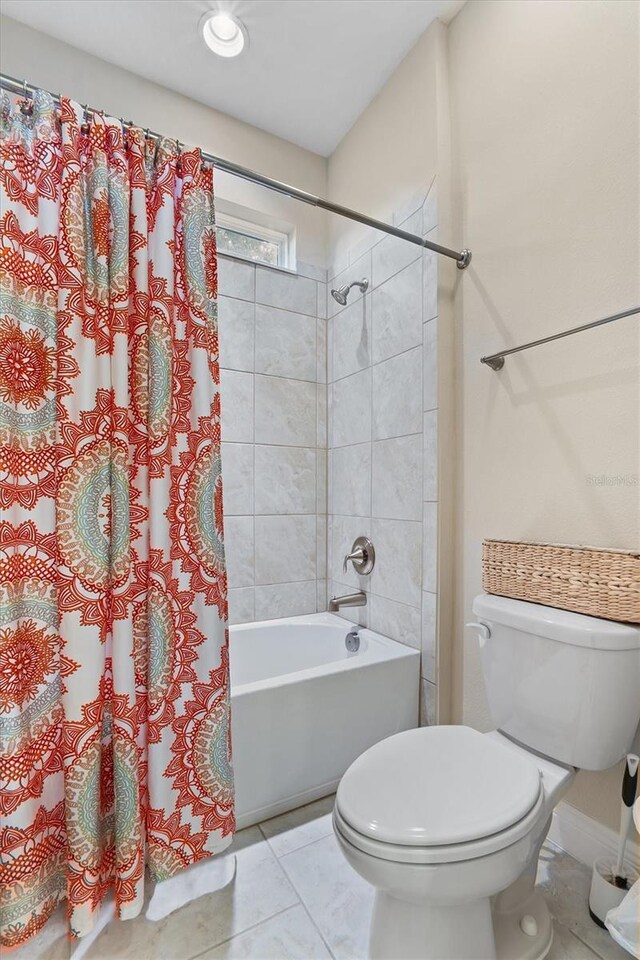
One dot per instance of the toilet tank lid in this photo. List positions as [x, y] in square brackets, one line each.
[560, 625]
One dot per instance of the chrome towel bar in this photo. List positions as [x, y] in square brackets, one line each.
[496, 360]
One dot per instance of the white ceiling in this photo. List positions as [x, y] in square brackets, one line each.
[311, 68]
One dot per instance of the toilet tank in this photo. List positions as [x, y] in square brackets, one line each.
[563, 684]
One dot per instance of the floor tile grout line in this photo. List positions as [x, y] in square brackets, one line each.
[315, 926]
[302, 900]
[253, 926]
[302, 846]
[592, 950]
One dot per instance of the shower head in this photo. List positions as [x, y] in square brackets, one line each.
[340, 295]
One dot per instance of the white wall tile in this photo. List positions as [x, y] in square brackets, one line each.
[430, 350]
[360, 269]
[321, 481]
[429, 657]
[305, 269]
[410, 210]
[397, 393]
[430, 467]
[395, 345]
[288, 420]
[321, 415]
[236, 333]
[239, 544]
[330, 339]
[285, 343]
[430, 548]
[359, 615]
[351, 338]
[364, 242]
[397, 313]
[285, 480]
[342, 532]
[289, 292]
[241, 606]
[321, 350]
[351, 480]
[321, 595]
[236, 279]
[396, 620]
[285, 549]
[430, 210]
[393, 254]
[351, 409]
[397, 478]
[396, 575]
[285, 600]
[321, 547]
[321, 309]
[236, 392]
[428, 704]
[339, 262]
[285, 412]
[237, 478]
[429, 283]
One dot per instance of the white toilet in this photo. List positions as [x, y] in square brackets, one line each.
[447, 823]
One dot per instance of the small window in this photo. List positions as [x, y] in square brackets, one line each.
[252, 241]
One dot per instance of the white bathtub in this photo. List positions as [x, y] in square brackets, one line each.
[303, 708]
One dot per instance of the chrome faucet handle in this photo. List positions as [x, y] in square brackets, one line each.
[357, 556]
[362, 556]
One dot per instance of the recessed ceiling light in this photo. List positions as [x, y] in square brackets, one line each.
[223, 33]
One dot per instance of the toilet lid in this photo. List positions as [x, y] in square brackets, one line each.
[437, 785]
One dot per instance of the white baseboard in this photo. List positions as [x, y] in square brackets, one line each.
[586, 839]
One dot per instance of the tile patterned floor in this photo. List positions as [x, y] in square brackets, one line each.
[292, 896]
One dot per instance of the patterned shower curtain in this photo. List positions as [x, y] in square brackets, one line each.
[114, 674]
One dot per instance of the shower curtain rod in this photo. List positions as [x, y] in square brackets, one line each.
[462, 258]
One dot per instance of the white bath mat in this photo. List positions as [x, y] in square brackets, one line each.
[196, 881]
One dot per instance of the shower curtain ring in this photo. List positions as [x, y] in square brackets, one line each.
[26, 108]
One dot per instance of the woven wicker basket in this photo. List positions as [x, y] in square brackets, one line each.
[601, 583]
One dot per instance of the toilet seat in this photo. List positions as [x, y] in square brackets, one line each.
[438, 795]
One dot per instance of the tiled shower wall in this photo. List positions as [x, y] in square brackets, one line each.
[273, 390]
[383, 423]
[284, 525]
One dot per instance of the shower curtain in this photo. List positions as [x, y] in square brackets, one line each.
[114, 674]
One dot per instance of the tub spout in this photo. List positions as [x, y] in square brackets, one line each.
[358, 599]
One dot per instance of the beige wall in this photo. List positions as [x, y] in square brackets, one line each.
[545, 108]
[42, 60]
[390, 154]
